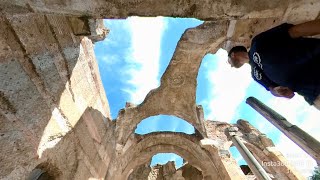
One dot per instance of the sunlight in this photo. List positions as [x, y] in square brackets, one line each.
[164, 123]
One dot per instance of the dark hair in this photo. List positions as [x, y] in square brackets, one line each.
[237, 49]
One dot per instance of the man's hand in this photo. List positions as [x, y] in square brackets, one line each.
[281, 91]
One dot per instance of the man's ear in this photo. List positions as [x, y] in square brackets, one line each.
[229, 61]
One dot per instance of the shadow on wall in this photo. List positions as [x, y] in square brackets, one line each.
[48, 78]
[83, 153]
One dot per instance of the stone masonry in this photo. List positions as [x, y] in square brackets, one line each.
[54, 114]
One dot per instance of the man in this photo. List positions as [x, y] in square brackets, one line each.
[284, 60]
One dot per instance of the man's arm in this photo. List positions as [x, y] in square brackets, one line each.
[275, 89]
[309, 28]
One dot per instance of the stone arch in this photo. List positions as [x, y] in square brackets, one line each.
[186, 146]
[176, 94]
[149, 152]
[130, 117]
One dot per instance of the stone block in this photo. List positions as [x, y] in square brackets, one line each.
[82, 172]
[302, 11]
[85, 140]
[80, 26]
[98, 119]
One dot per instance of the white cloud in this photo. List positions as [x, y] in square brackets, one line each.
[110, 59]
[117, 26]
[228, 88]
[299, 113]
[228, 85]
[266, 127]
[296, 156]
[110, 52]
[143, 58]
[148, 125]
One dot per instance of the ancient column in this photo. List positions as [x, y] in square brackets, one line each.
[309, 144]
[256, 168]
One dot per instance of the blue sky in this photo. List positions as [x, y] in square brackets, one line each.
[136, 53]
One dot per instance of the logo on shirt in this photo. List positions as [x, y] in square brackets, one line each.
[257, 59]
[256, 74]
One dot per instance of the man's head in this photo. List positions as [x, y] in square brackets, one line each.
[238, 56]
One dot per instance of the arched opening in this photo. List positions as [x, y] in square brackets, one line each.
[164, 123]
[45, 95]
[176, 94]
[164, 158]
[165, 168]
[135, 54]
[186, 146]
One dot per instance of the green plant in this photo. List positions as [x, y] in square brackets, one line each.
[316, 173]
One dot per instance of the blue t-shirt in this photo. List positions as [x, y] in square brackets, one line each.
[277, 59]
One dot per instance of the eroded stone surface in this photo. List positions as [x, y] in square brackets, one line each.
[44, 92]
[206, 10]
[54, 114]
[167, 171]
[144, 147]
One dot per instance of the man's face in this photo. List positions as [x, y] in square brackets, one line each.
[234, 60]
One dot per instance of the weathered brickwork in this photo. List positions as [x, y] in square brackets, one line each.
[54, 114]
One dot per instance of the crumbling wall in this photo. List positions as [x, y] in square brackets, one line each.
[49, 77]
[201, 9]
[190, 173]
[141, 172]
[260, 146]
[166, 172]
[84, 152]
[54, 114]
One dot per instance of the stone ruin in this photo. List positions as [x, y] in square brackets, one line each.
[54, 115]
